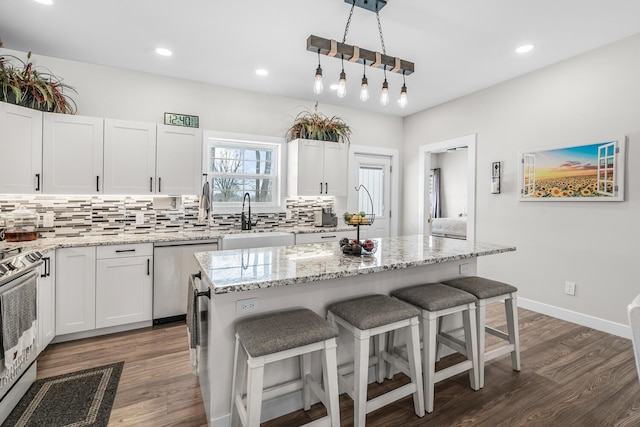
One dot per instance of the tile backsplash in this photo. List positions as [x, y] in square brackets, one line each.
[109, 215]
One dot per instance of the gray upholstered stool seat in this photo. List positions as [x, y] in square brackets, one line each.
[373, 316]
[436, 300]
[277, 336]
[271, 333]
[488, 291]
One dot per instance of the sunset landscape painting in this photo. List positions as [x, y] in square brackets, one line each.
[584, 172]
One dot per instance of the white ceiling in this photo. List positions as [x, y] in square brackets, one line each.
[458, 46]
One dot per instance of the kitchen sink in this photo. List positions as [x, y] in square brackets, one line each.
[257, 240]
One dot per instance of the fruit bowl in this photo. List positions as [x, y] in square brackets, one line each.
[359, 218]
[355, 247]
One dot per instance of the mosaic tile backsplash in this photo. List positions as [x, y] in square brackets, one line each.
[76, 216]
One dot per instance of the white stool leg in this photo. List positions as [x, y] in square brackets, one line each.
[361, 371]
[236, 384]
[511, 308]
[391, 348]
[481, 322]
[305, 369]
[330, 381]
[379, 341]
[471, 344]
[255, 384]
[415, 365]
[429, 331]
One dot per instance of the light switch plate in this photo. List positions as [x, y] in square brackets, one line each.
[464, 269]
[140, 218]
[47, 220]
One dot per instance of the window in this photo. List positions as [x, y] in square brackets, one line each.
[237, 165]
[372, 178]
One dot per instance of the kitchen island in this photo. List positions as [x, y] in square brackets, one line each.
[311, 276]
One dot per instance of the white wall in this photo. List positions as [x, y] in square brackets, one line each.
[594, 244]
[453, 182]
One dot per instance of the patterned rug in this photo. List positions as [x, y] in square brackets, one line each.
[82, 398]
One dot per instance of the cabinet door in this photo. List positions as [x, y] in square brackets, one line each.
[335, 169]
[21, 148]
[47, 301]
[129, 157]
[178, 160]
[310, 168]
[72, 154]
[75, 290]
[123, 291]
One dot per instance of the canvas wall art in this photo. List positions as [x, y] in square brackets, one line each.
[588, 172]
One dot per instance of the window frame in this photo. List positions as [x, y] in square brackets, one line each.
[212, 138]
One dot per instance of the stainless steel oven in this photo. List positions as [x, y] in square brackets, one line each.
[18, 272]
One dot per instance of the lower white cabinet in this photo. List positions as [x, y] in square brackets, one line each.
[124, 285]
[102, 287]
[324, 237]
[47, 301]
[75, 290]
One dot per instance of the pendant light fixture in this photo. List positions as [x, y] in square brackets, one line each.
[384, 95]
[364, 88]
[342, 83]
[317, 86]
[332, 48]
[402, 102]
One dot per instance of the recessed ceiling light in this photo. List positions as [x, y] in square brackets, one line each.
[262, 72]
[47, 2]
[334, 86]
[524, 48]
[163, 51]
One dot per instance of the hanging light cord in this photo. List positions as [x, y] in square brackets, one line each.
[346, 28]
[380, 30]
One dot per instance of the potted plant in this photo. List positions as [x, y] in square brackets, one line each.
[25, 85]
[315, 125]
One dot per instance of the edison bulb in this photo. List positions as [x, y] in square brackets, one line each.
[364, 90]
[384, 96]
[402, 102]
[317, 85]
[342, 85]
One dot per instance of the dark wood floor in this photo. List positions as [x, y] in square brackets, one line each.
[571, 376]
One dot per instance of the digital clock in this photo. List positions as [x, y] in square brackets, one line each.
[181, 120]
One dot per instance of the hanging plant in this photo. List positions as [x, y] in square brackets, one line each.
[314, 125]
[23, 84]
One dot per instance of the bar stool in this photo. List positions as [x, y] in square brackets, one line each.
[371, 316]
[277, 336]
[435, 301]
[489, 291]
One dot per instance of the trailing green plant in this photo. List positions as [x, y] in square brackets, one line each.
[23, 84]
[314, 125]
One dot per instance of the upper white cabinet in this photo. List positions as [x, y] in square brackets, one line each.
[178, 160]
[21, 147]
[317, 168]
[129, 157]
[72, 149]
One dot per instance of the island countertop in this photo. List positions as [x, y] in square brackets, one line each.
[250, 269]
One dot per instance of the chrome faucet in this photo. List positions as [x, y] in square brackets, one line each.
[245, 220]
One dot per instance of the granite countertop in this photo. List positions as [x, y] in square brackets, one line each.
[51, 243]
[249, 269]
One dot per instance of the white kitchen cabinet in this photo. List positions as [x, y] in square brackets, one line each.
[317, 168]
[324, 237]
[21, 148]
[124, 284]
[75, 290]
[178, 160]
[72, 148]
[129, 157]
[47, 301]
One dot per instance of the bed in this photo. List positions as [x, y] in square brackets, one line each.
[455, 227]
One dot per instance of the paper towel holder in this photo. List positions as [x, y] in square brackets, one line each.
[495, 178]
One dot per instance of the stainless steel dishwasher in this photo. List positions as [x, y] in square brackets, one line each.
[173, 262]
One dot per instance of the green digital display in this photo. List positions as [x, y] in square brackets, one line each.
[181, 120]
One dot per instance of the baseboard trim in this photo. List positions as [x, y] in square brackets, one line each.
[603, 325]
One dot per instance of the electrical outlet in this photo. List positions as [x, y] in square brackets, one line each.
[139, 218]
[569, 288]
[287, 214]
[464, 269]
[47, 220]
[245, 306]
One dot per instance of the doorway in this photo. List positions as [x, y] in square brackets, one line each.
[428, 154]
[373, 169]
